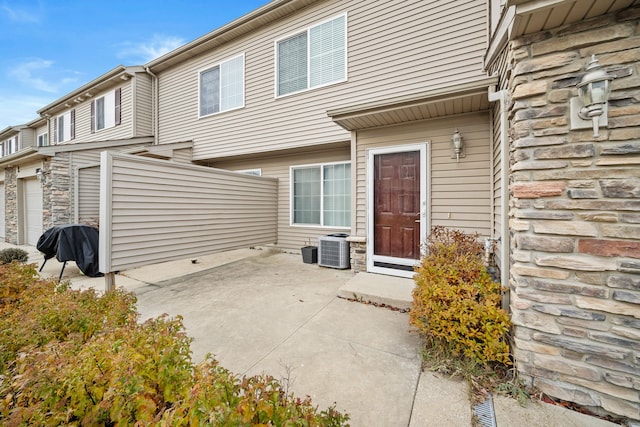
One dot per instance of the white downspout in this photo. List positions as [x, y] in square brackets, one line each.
[504, 178]
[156, 114]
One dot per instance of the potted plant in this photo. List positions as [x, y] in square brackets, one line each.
[309, 253]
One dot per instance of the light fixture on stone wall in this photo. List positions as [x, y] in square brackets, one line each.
[41, 176]
[457, 145]
[589, 108]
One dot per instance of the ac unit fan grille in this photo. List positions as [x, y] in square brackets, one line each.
[333, 252]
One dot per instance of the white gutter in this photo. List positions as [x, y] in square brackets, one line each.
[155, 114]
[504, 178]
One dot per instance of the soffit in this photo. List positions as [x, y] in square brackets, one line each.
[272, 11]
[532, 16]
[459, 99]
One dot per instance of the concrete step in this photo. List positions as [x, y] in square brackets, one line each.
[379, 289]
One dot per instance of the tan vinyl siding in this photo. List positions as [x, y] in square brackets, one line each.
[143, 105]
[291, 237]
[80, 159]
[27, 138]
[394, 49]
[460, 192]
[89, 195]
[183, 156]
[83, 120]
[161, 210]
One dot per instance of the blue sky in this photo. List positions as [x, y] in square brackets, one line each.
[51, 47]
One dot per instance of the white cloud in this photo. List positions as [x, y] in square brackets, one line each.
[38, 74]
[19, 15]
[151, 49]
[19, 109]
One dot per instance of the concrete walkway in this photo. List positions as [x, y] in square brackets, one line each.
[267, 312]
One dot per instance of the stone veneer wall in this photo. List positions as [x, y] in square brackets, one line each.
[11, 205]
[57, 204]
[357, 253]
[575, 217]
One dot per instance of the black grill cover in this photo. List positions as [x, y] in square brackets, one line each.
[72, 242]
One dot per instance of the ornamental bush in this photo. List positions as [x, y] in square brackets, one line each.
[72, 357]
[13, 254]
[455, 300]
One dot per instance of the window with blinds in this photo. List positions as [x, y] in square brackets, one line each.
[106, 110]
[222, 87]
[64, 127]
[321, 195]
[314, 57]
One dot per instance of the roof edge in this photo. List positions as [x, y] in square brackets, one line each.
[79, 146]
[120, 69]
[429, 96]
[244, 19]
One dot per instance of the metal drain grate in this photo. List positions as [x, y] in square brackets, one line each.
[484, 413]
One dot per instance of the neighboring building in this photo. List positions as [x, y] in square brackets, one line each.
[42, 161]
[574, 214]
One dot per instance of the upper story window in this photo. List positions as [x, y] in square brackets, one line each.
[9, 146]
[43, 140]
[64, 127]
[314, 57]
[106, 111]
[222, 87]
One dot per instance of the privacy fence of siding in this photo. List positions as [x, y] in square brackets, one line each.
[154, 210]
[88, 195]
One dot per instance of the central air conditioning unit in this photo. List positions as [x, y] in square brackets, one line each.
[333, 251]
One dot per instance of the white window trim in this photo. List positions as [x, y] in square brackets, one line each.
[66, 129]
[291, 193]
[109, 110]
[244, 84]
[307, 29]
[42, 135]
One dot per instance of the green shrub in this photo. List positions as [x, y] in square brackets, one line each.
[79, 358]
[456, 301]
[13, 254]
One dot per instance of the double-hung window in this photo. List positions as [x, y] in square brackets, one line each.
[222, 87]
[106, 110]
[43, 140]
[314, 57]
[64, 127]
[321, 195]
[9, 146]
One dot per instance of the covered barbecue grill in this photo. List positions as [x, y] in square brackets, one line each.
[72, 242]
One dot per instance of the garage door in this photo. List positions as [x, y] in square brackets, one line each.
[2, 221]
[32, 210]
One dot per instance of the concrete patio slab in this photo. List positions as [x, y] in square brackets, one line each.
[537, 413]
[441, 402]
[379, 289]
[376, 387]
[271, 313]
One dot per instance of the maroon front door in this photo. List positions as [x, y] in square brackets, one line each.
[396, 192]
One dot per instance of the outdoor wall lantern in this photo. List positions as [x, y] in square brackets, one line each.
[457, 145]
[589, 108]
[41, 176]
